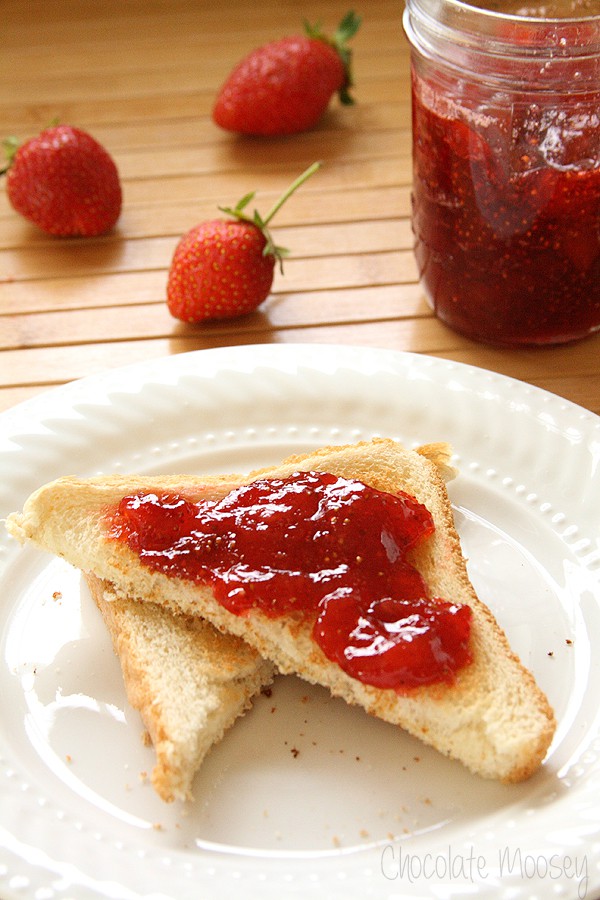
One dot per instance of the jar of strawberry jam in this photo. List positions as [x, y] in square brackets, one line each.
[506, 158]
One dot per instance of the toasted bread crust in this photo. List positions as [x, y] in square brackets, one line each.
[493, 717]
[188, 681]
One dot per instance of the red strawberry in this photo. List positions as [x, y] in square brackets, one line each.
[285, 86]
[64, 182]
[224, 268]
[219, 270]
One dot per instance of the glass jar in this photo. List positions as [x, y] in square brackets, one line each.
[506, 158]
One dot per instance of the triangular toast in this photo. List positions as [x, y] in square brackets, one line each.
[189, 682]
[492, 716]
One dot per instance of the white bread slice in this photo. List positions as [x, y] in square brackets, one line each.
[493, 717]
[189, 681]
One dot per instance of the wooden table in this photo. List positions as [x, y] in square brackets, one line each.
[141, 76]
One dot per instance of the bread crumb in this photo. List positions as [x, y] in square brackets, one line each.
[69, 758]
[364, 833]
[336, 841]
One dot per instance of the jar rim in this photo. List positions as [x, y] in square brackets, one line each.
[460, 18]
[466, 37]
[519, 17]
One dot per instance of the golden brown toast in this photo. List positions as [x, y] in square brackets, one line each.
[189, 682]
[492, 717]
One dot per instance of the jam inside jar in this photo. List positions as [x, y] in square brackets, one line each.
[506, 167]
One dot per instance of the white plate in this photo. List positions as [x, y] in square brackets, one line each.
[305, 796]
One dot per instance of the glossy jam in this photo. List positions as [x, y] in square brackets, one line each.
[506, 215]
[329, 550]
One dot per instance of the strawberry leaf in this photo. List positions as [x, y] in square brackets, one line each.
[346, 30]
[10, 145]
[270, 248]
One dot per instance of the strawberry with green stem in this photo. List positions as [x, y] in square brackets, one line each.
[285, 86]
[63, 181]
[224, 268]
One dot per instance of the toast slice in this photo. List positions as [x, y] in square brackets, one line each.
[189, 682]
[492, 716]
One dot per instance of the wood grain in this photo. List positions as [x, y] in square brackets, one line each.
[142, 76]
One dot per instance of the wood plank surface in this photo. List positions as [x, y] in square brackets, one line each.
[142, 76]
